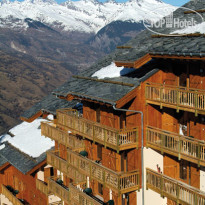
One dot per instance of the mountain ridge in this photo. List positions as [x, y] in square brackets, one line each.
[84, 15]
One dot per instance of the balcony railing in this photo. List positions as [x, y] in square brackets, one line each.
[173, 189]
[121, 182]
[57, 162]
[50, 130]
[78, 167]
[71, 194]
[110, 137]
[172, 143]
[59, 190]
[77, 197]
[180, 98]
[10, 196]
[40, 185]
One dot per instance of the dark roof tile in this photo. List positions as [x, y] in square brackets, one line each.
[49, 104]
[18, 159]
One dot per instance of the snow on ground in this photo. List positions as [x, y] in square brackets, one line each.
[199, 28]
[112, 71]
[28, 138]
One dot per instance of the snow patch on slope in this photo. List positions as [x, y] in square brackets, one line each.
[199, 28]
[112, 71]
[84, 15]
[28, 139]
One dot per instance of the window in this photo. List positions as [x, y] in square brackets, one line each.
[98, 115]
[183, 170]
[100, 188]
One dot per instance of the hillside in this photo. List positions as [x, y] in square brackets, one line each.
[24, 82]
[44, 43]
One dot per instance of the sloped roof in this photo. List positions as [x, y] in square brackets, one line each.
[18, 159]
[143, 43]
[106, 92]
[48, 104]
[2, 161]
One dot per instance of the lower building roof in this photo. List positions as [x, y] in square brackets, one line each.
[18, 159]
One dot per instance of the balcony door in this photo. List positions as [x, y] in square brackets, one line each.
[122, 121]
[124, 162]
[183, 76]
[183, 80]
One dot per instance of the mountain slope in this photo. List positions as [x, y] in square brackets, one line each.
[23, 82]
[114, 34]
[84, 15]
[43, 43]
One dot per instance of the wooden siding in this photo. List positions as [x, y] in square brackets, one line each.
[25, 184]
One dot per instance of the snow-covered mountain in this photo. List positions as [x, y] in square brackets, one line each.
[83, 15]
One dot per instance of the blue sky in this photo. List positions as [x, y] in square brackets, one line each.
[176, 2]
[173, 2]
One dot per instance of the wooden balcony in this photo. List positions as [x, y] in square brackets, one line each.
[121, 182]
[10, 196]
[187, 148]
[41, 186]
[50, 130]
[60, 164]
[77, 197]
[70, 195]
[107, 136]
[179, 98]
[60, 191]
[173, 189]
[78, 167]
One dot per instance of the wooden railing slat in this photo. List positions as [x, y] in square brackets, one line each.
[181, 97]
[68, 139]
[40, 185]
[172, 143]
[113, 138]
[10, 196]
[87, 167]
[173, 189]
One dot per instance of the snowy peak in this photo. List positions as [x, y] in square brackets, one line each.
[40, 2]
[84, 15]
[111, 2]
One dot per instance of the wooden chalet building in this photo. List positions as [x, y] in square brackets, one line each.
[140, 136]
[21, 175]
